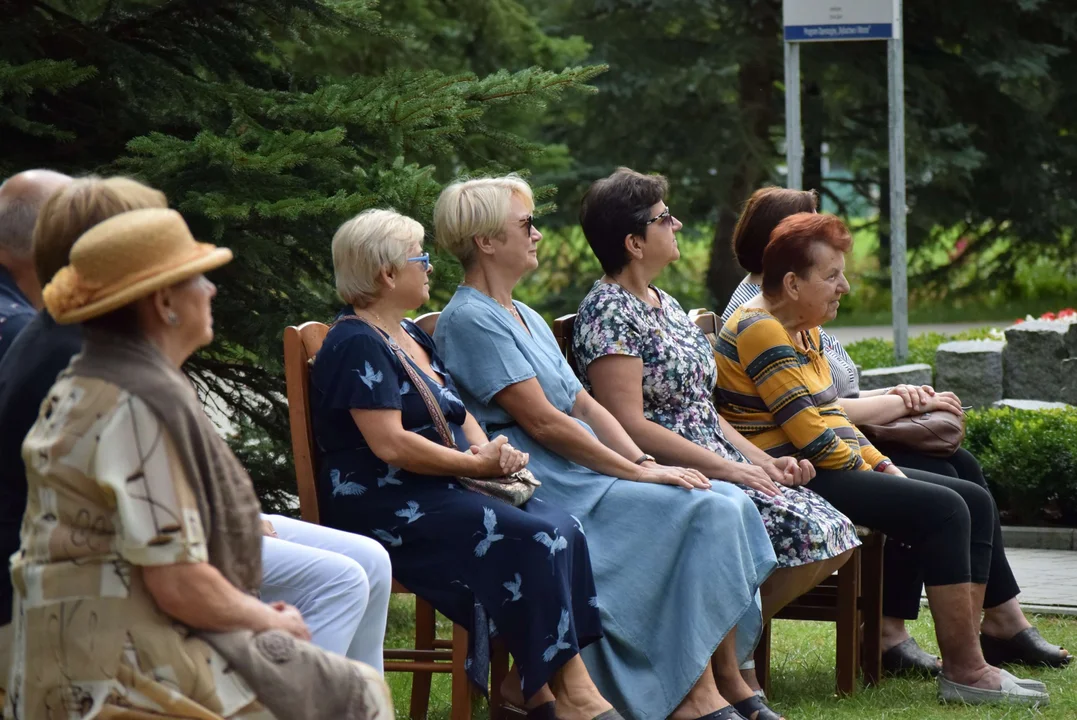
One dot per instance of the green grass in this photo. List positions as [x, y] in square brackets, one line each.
[803, 677]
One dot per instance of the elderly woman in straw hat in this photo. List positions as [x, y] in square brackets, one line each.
[520, 573]
[678, 560]
[141, 542]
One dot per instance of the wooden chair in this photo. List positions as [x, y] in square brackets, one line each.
[851, 598]
[431, 654]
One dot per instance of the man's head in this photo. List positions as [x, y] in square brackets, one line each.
[21, 199]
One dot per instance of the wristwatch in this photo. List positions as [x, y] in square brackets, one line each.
[645, 458]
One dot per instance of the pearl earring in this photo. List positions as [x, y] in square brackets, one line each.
[173, 318]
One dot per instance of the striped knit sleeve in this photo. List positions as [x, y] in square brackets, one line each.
[871, 454]
[784, 385]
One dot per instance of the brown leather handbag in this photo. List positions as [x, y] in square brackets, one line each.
[937, 433]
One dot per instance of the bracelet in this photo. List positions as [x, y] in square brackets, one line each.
[644, 458]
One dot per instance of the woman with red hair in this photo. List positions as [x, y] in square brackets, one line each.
[776, 389]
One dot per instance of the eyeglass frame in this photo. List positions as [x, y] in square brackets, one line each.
[667, 213]
[424, 259]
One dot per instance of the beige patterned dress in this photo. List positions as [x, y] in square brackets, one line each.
[108, 495]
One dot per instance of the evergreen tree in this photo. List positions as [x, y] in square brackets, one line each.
[236, 111]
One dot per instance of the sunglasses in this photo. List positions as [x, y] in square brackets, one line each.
[664, 217]
[424, 259]
[530, 223]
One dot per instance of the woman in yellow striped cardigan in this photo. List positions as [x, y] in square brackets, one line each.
[776, 389]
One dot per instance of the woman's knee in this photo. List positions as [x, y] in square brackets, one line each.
[947, 516]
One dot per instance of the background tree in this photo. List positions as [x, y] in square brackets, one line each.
[238, 111]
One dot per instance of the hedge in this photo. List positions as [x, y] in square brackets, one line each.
[1029, 458]
[873, 353]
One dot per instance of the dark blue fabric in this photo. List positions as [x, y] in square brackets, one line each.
[16, 312]
[523, 574]
[27, 372]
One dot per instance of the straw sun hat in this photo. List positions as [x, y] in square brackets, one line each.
[124, 258]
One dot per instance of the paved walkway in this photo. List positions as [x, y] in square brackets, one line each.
[1048, 579]
[852, 333]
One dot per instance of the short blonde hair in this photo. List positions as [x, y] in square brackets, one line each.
[472, 208]
[363, 246]
[79, 206]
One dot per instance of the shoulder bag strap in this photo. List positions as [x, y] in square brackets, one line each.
[417, 380]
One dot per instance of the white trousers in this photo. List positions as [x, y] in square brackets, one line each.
[338, 580]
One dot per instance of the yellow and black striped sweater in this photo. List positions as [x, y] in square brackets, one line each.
[784, 400]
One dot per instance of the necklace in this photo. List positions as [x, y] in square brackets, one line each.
[510, 307]
[380, 324]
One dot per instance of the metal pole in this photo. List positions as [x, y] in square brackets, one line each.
[794, 145]
[898, 260]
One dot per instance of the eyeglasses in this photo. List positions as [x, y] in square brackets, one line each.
[530, 220]
[664, 217]
[424, 259]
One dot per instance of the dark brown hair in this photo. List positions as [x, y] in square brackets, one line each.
[792, 246]
[764, 210]
[615, 207]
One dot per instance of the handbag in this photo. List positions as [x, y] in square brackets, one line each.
[515, 488]
[937, 433]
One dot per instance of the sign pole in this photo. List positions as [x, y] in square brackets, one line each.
[794, 142]
[899, 288]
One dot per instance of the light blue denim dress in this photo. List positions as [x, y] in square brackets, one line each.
[675, 569]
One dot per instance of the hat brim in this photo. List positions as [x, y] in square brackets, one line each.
[204, 263]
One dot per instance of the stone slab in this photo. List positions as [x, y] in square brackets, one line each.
[1039, 538]
[914, 374]
[1033, 405]
[972, 370]
[1069, 377]
[1032, 360]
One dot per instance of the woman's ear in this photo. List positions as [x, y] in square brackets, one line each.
[634, 246]
[484, 243]
[387, 277]
[791, 284]
[163, 306]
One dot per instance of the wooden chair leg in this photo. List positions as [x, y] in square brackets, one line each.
[461, 686]
[848, 625]
[762, 659]
[425, 630]
[871, 608]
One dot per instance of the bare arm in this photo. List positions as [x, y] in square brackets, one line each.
[617, 381]
[387, 438]
[197, 595]
[527, 404]
[877, 410]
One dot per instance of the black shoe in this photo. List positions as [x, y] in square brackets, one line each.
[1025, 648]
[908, 658]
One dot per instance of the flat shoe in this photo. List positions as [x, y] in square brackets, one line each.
[729, 712]
[1026, 648]
[908, 658]
[752, 704]
[1010, 693]
[1035, 685]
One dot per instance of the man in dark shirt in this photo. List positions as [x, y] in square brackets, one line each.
[21, 198]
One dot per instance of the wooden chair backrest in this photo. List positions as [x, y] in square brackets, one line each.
[563, 327]
[301, 344]
[708, 322]
[428, 322]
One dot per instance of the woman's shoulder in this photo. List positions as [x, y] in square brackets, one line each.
[77, 405]
[757, 318]
[465, 305]
[601, 300]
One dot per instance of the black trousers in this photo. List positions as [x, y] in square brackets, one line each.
[903, 578]
[947, 523]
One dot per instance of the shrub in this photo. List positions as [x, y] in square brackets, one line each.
[873, 353]
[1030, 460]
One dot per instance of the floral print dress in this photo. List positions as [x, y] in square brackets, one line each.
[679, 375]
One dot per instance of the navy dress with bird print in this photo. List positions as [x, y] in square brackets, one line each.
[521, 574]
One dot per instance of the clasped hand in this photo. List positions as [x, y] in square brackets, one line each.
[923, 399]
[497, 458]
[767, 476]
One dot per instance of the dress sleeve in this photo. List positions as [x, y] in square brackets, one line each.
[783, 384]
[480, 353]
[603, 327]
[159, 521]
[357, 372]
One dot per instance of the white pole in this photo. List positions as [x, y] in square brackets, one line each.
[898, 260]
[794, 145]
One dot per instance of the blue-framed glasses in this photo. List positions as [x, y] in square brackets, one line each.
[424, 259]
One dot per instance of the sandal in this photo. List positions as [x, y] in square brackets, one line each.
[753, 704]
[908, 658]
[729, 712]
[1026, 648]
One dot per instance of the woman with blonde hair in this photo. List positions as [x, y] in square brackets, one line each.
[677, 560]
[136, 580]
[380, 400]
